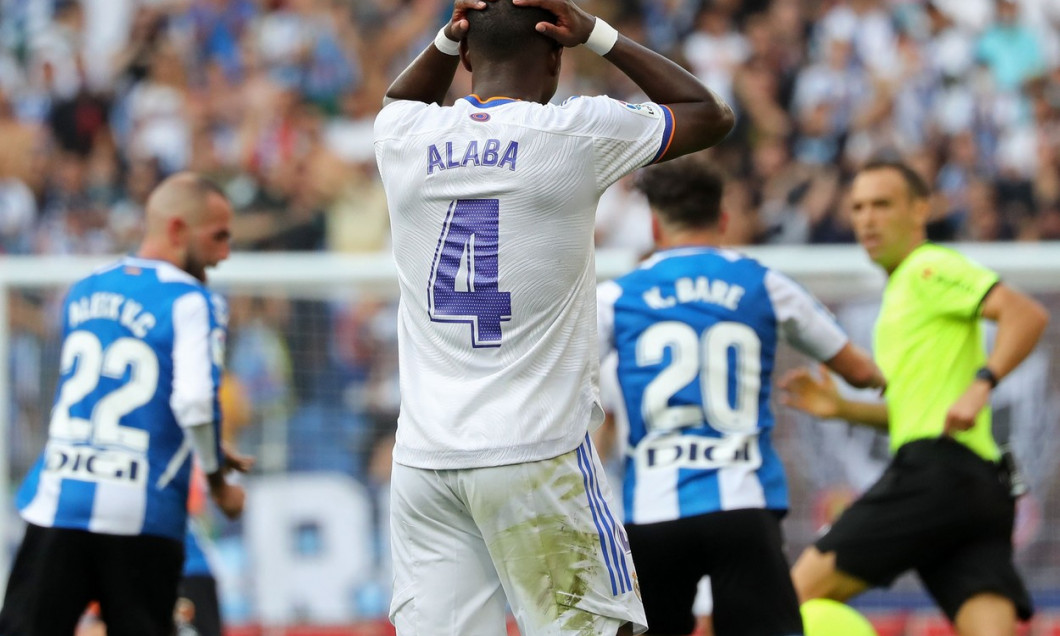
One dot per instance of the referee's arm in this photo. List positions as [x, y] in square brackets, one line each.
[1021, 320]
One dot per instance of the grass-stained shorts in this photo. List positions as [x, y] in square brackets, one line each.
[539, 534]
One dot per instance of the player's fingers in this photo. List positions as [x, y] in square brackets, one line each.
[548, 29]
[241, 464]
[458, 29]
[548, 5]
[792, 377]
[826, 376]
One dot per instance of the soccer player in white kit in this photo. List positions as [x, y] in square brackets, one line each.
[497, 492]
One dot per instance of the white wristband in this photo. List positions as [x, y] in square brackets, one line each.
[445, 45]
[602, 39]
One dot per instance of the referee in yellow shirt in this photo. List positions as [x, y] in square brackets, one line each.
[943, 507]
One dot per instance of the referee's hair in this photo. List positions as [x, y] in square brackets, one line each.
[918, 188]
[685, 192]
[503, 31]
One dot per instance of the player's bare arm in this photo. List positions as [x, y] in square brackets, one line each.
[819, 396]
[1021, 320]
[702, 119]
[428, 77]
[229, 497]
[857, 367]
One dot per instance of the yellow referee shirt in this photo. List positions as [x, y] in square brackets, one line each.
[929, 344]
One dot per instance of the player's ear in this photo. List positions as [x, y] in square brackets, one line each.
[555, 59]
[723, 221]
[656, 228]
[465, 59]
[922, 210]
[177, 231]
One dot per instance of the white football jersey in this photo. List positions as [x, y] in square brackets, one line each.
[492, 207]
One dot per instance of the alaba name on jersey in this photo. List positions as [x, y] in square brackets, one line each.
[142, 354]
[492, 206]
[695, 331]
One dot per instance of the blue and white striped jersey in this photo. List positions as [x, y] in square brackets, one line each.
[199, 552]
[142, 354]
[695, 331]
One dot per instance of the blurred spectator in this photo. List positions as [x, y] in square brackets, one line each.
[715, 49]
[1009, 49]
[275, 99]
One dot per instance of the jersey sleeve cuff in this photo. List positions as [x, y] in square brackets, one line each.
[668, 133]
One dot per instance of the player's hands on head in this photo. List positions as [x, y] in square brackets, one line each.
[573, 25]
[457, 27]
[962, 414]
[818, 396]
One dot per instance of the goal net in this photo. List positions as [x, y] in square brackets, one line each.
[311, 391]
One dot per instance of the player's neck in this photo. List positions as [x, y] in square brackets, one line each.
[493, 86]
[154, 252]
[704, 238]
[917, 242]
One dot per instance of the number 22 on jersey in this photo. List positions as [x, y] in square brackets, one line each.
[463, 286]
[83, 354]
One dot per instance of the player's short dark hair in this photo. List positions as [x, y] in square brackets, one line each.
[685, 192]
[208, 186]
[917, 186]
[503, 30]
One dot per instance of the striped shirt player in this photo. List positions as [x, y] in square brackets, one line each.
[141, 359]
[496, 320]
[696, 331]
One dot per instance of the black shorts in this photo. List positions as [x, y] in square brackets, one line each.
[941, 510]
[57, 572]
[201, 590]
[741, 551]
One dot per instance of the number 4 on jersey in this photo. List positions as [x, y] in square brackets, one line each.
[463, 283]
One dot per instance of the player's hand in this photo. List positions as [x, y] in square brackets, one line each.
[573, 25]
[229, 498]
[962, 414]
[233, 460]
[816, 396]
[457, 27]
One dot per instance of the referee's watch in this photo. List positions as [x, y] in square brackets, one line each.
[984, 373]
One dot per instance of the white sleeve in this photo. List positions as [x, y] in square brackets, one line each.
[203, 439]
[803, 322]
[606, 295]
[625, 136]
[390, 121]
[192, 399]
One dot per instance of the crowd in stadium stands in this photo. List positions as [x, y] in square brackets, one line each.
[275, 100]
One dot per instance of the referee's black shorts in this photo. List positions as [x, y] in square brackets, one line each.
[58, 571]
[941, 510]
[741, 551]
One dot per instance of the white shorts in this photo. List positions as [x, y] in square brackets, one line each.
[540, 534]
